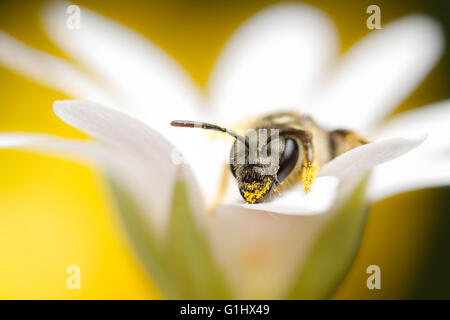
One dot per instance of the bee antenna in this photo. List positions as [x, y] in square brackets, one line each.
[208, 126]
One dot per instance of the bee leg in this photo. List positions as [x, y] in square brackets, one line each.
[223, 185]
[310, 165]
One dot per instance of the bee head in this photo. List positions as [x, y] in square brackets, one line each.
[260, 161]
[261, 166]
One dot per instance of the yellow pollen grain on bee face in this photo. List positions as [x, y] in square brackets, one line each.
[254, 191]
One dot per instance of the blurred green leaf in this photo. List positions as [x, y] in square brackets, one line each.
[191, 262]
[181, 265]
[143, 240]
[334, 251]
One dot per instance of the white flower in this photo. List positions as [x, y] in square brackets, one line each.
[283, 57]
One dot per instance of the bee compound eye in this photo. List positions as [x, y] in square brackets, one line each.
[288, 159]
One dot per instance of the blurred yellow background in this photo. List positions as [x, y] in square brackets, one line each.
[54, 213]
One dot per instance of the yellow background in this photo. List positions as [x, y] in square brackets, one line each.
[54, 213]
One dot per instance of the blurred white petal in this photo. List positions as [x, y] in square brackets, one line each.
[151, 152]
[51, 144]
[128, 171]
[207, 155]
[156, 88]
[72, 149]
[49, 70]
[261, 251]
[411, 172]
[432, 120]
[261, 246]
[355, 162]
[379, 72]
[429, 165]
[271, 61]
[294, 201]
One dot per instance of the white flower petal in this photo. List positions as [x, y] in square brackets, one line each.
[127, 171]
[261, 246]
[260, 251]
[433, 121]
[49, 70]
[150, 151]
[271, 61]
[116, 163]
[428, 166]
[379, 72]
[207, 157]
[156, 88]
[10, 140]
[52, 144]
[294, 201]
[410, 172]
[355, 162]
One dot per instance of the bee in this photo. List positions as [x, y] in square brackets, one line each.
[286, 148]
